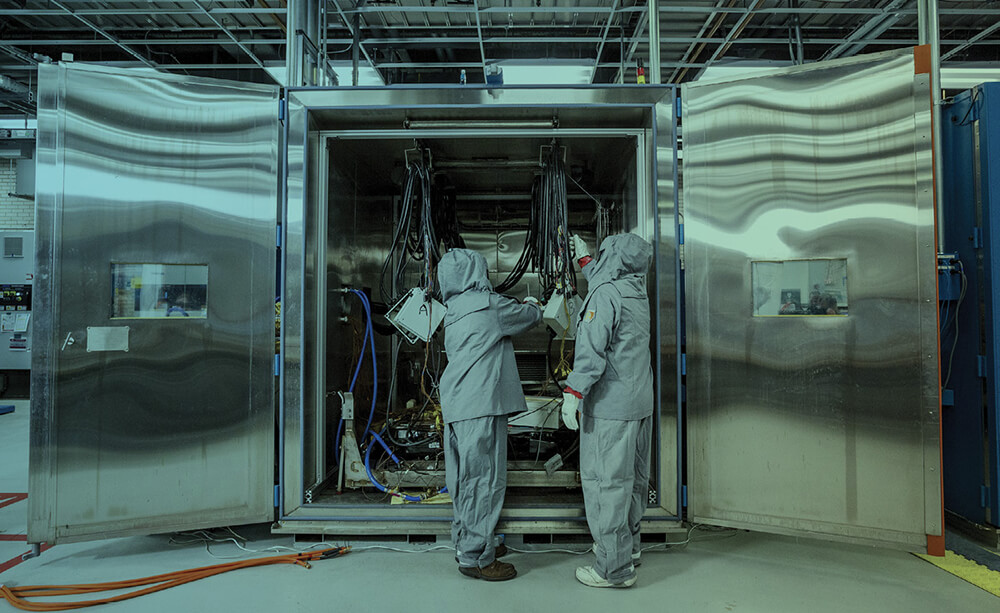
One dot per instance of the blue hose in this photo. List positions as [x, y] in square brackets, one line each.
[371, 336]
[361, 358]
[357, 369]
[370, 343]
[371, 477]
[386, 447]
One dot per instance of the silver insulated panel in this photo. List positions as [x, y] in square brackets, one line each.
[155, 232]
[802, 423]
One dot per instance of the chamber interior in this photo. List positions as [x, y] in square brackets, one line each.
[483, 186]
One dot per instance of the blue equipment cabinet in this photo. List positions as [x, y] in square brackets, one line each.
[969, 293]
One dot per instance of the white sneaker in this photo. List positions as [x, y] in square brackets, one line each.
[635, 556]
[589, 577]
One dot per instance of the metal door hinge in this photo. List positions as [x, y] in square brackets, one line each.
[678, 102]
[281, 109]
[277, 236]
[981, 366]
[977, 238]
[684, 496]
[277, 496]
[684, 364]
[277, 365]
[984, 496]
[680, 234]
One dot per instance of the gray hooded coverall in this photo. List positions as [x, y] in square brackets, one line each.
[479, 388]
[613, 371]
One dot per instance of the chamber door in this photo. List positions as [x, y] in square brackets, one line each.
[811, 302]
[153, 366]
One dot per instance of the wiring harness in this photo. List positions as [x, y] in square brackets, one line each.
[552, 256]
[427, 222]
[546, 244]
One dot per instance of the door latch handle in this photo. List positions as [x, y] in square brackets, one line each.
[69, 341]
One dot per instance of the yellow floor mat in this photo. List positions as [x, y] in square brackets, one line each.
[963, 568]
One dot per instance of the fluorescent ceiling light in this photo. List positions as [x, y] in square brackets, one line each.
[366, 74]
[546, 72]
[18, 124]
[344, 71]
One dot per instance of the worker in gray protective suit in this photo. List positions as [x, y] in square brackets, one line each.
[479, 388]
[612, 382]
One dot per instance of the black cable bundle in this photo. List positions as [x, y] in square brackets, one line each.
[415, 236]
[530, 243]
[552, 259]
[445, 214]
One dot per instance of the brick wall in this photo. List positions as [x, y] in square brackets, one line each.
[15, 213]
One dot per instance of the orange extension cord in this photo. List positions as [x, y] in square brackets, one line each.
[17, 596]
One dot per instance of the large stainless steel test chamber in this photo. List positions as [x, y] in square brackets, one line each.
[151, 424]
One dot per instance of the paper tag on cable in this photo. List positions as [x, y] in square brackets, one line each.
[589, 315]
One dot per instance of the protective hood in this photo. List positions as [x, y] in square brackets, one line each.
[621, 255]
[463, 282]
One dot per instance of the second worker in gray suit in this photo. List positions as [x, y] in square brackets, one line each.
[612, 387]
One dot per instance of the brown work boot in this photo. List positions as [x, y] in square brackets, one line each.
[495, 571]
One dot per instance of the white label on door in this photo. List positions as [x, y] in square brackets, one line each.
[108, 338]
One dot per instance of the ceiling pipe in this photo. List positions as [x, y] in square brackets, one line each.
[655, 78]
[8, 84]
[928, 29]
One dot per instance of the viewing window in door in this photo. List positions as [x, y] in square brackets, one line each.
[154, 291]
[799, 288]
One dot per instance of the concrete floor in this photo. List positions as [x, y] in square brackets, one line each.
[716, 572]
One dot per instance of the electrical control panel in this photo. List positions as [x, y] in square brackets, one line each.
[15, 297]
[16, 276]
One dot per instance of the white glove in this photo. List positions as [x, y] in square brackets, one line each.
[570, 406]
[533, 300]
[580, 249]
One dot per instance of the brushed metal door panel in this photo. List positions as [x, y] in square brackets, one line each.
[826, 426]
[177, 432]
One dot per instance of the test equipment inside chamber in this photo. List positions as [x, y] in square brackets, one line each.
[394, 207]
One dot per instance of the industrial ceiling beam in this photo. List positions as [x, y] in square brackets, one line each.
[633, 45]
[872, 28]
[737, 10]
[497, 40]
[148, 62]
[482, 46]
[278, 64]
[454, 10]
[603, 39]
[734, 33]
[719, 20]
[972, 41]
[232, 36]
[91, 12]
[527, 26]
[356, 34]
[701, 32]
